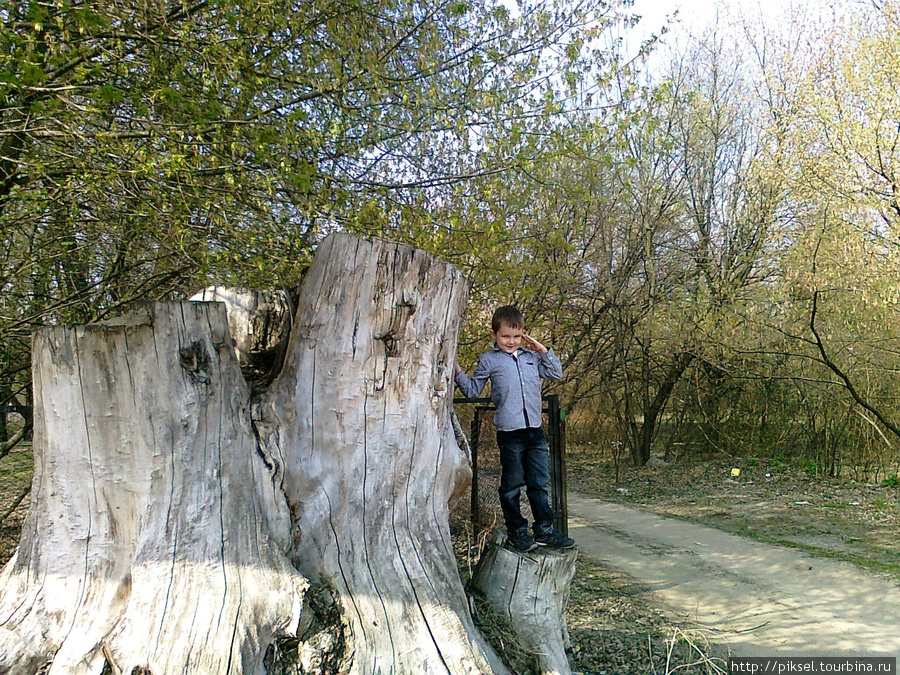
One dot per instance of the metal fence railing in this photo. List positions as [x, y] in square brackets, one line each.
[483, 505]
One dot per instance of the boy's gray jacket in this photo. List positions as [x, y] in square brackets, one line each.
[515, 384]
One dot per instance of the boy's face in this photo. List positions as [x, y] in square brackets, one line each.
[508, 338]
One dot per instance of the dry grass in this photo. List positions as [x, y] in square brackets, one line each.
[614, 631]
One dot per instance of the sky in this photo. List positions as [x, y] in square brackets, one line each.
[693, 17]
[698, 14]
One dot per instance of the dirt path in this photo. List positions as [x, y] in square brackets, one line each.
[763, 600]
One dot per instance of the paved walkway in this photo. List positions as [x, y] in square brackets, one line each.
[764, 600]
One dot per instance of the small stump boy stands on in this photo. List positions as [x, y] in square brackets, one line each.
[515, 374]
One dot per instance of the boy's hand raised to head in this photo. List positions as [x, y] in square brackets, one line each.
[533, 344]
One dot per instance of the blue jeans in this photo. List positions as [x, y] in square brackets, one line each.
[523, 463]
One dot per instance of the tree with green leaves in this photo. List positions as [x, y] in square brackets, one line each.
[831, 95]
[146, 149]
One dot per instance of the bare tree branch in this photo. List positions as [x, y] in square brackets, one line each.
[893, 428]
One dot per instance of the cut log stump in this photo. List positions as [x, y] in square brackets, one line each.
[154, 542]
[361, 418]
[532, 591]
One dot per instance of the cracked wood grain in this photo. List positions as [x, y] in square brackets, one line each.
[175, 517]
[362, 410]
[143, 550]
[532, 590]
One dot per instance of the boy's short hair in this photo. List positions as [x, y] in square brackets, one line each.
[507, 316]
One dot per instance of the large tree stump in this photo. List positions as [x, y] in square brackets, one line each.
[362, 415]
[260, 324]
[166, 533]
[154, 540]
[532, 591]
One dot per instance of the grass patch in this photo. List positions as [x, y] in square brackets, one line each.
[17, 465]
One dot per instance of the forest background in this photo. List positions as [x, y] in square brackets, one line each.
[709, 242]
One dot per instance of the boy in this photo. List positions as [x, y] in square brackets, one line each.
[515, 374]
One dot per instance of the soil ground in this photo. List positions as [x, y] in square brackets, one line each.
[616, 627]
[767, 500]
[765, 600]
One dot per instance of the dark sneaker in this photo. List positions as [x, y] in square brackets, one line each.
[554, 539]
[520, 541]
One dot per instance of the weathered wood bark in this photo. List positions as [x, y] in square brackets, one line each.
[361, 415]
[532, 590]
[167, 527]
[260, 324]
[154, 540]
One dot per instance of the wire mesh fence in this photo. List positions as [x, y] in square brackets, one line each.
[481, 505]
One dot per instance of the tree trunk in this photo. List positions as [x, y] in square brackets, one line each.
[5, 400]
[532, 590]
[362, 414]
[153, 543]
[644, 439]
[260, 324]
[167, 528]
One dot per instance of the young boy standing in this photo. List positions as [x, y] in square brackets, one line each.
[515, 374]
